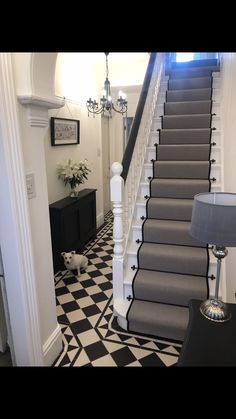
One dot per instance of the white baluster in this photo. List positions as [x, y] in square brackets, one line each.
[117, 186]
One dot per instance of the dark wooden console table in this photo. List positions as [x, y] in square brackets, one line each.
[73, 224]
[208, 343]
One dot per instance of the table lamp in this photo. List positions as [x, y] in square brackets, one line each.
[214, 222]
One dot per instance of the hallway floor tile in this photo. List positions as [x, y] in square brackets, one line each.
[91, 335]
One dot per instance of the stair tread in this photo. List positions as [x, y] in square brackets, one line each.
[195, 116]
[171, 248]
[158, 319]
[186, 130]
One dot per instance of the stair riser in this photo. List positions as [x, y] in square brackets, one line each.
[161, 98]
[215, 172]
[154, 137]
[191, 95]
[184, 153]
[136, 234]
[215, 154]
[160, 109]
[183, 240]
[173, 236]
[151, 154]
[182, 74]
[186, 122]
[215, 85]
[140, 211]
[157, 123]
[214, 72]
[191, 154]
[144, 188]
[161, 263]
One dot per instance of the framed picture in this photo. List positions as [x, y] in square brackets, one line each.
[64, 131]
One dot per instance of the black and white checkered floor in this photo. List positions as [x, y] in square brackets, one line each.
[91, 336]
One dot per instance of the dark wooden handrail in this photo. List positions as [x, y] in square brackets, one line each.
[138, 115]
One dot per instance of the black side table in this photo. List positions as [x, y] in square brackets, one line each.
[208, 343]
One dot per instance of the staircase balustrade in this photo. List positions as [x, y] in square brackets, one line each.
[124, 195]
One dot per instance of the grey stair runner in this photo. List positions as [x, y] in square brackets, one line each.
[185, 136]
[183, 152]
[191, 72]
[183, 108]
[193, 83]
[182, 169]
[170, 209]
[158, 319]
[188, 94]
[172, 266]
[165, 287]
[186, 121]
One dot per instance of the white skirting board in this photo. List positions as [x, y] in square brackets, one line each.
[52, 347]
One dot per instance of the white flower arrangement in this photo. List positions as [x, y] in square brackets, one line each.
[73, 173]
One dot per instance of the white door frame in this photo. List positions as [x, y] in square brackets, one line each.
[15, 235]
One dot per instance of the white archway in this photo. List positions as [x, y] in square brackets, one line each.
[35, 332]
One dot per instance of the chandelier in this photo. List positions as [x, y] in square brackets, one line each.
[106, 104]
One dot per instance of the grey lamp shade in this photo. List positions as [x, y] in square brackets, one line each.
[214, 218]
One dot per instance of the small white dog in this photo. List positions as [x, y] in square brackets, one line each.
[73, 260]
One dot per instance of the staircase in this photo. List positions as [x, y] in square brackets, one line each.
[172, 267]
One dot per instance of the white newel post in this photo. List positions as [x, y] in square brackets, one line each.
[117, 187]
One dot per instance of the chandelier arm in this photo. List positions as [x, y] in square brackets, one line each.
[122, 110]
[92, 110]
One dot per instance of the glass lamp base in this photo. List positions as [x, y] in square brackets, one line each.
[215, 310]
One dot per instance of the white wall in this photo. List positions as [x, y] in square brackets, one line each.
[73, 76]
[125, 68]
[126, 73]
[78, 77]
[228, 113]
[34, 162]
[116, 122]
[89, 147]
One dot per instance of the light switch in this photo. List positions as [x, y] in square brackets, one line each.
[30, 184]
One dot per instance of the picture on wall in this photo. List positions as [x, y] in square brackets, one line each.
[65, 131]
